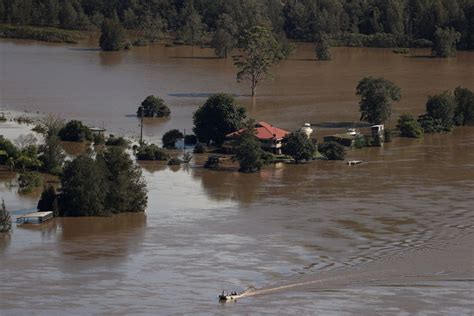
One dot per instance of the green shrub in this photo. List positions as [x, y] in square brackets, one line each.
[174, 161]
[116, 141]
[332, 150]
[5, 219]
[98, 139]
[153, 106]
[360, 142]
[409, 127]
[401, 50]
[151, 152]
[170, 137]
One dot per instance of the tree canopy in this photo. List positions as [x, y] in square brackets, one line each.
[332, 150]
[109, 183]
[112, 36]
[248, 151]
[444, 42]
[464, 111]
[5, 219]
[351, 22]
[261, 52]
[441, 107]
[376, 97]
[409, 126]
[170, 137]
[298, 146]
[75, 131]
[217, 117]
[153, 106]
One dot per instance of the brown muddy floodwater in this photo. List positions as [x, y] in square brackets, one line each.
[391, 236]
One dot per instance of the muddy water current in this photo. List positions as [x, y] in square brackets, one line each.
[393, 235]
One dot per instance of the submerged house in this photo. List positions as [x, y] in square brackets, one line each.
[269, 135]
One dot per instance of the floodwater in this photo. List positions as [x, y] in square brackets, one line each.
[391, 236]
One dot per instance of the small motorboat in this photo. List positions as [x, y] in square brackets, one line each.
[229, 296]
[354, 162]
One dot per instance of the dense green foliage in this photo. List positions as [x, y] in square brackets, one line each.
[332, 150]
[322, 47]
[261, 52]
[151, 152]
[75, 131]
[5, 219]
[224, 39]
[444, 42]
[441, 108]
[248, 151]
[190, 139]
[8, 148]
[111, 183]
[153, 106]
[217, 117]
[116, 141]
[403, 21]
[298, 146]
[464, 111]
[376, 96]
[112, 36]
[409, 126]
[170, 137]
[48, 34]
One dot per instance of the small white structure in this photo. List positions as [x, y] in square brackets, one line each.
[34, 218]
[377, 131]
[352, 132]
[306, 129]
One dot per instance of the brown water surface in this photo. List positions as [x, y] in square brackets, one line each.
[393, 235]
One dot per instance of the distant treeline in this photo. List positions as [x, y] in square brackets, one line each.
[347, 22]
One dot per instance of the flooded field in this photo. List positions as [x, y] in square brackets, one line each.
[391, 236]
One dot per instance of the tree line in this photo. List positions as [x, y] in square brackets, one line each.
[403, 22]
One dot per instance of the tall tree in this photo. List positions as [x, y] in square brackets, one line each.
[225, 36]
[84, 188]
[464, 111]
[376, 97]
[248, 151]
[261, 53]
[444, 42]
[217, 117]
[298, 146]
[441, 108]
[112, 36]
[322, 47]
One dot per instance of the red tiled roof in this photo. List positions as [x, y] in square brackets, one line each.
[263, 130]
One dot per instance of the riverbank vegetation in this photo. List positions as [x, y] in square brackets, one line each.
[397, 23]
[45, 34]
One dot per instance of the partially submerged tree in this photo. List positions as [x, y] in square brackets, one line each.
[445, 41]
[376, 97]
[27, 181]
[441, 107]
[298, 146]
[151, 152]
[225, 36]
[464, 111]
[75, 131]
[332, 150]
[153, 106]
[5, 219]
[112, 36]
[322, 47]
[261, 52]
[217, 117]
[409, 126]
[248, 151]
[170, 137]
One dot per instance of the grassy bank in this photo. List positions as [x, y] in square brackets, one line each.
[45, 34]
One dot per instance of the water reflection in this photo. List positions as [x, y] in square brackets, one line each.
[110, 58]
